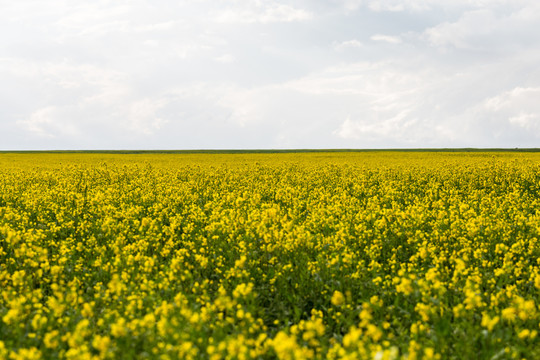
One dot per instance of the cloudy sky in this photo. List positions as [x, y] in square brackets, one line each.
[215, 74]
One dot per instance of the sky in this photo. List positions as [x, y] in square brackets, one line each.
[268, 74]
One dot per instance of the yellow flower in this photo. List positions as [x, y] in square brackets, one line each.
[509, 314]
[337, 298]
[119, 328]
[51, 339]
[101, 343]
[405, 286]
[488, 322]
[3, 350]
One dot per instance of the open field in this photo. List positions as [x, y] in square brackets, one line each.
[368, 255]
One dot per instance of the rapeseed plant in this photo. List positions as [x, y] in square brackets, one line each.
[375, 255]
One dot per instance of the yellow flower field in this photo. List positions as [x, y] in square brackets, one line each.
[360, 255]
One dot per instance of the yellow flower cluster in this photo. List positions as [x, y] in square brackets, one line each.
[360, 255]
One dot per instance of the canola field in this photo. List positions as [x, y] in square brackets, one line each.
[366, 255]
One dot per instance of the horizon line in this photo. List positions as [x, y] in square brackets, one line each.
[290, 150]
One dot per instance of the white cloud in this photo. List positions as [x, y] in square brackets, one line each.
[348, 45]
[488, 29]
[69, 80]
[351, 5]
[135, 117]
[420, 6]
[160, 26]
[142, 115]
[269, 73]
[390, 5]
[382, 5]
[396, 104]
[94, 99]
[461, 34]
[245, 107]
[387, 38]
[263, 12]
[518, 108]
[42, 123]
[530, 121]
[225, 59]
[386, 129]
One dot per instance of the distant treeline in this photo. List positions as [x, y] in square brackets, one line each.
[269, 151]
